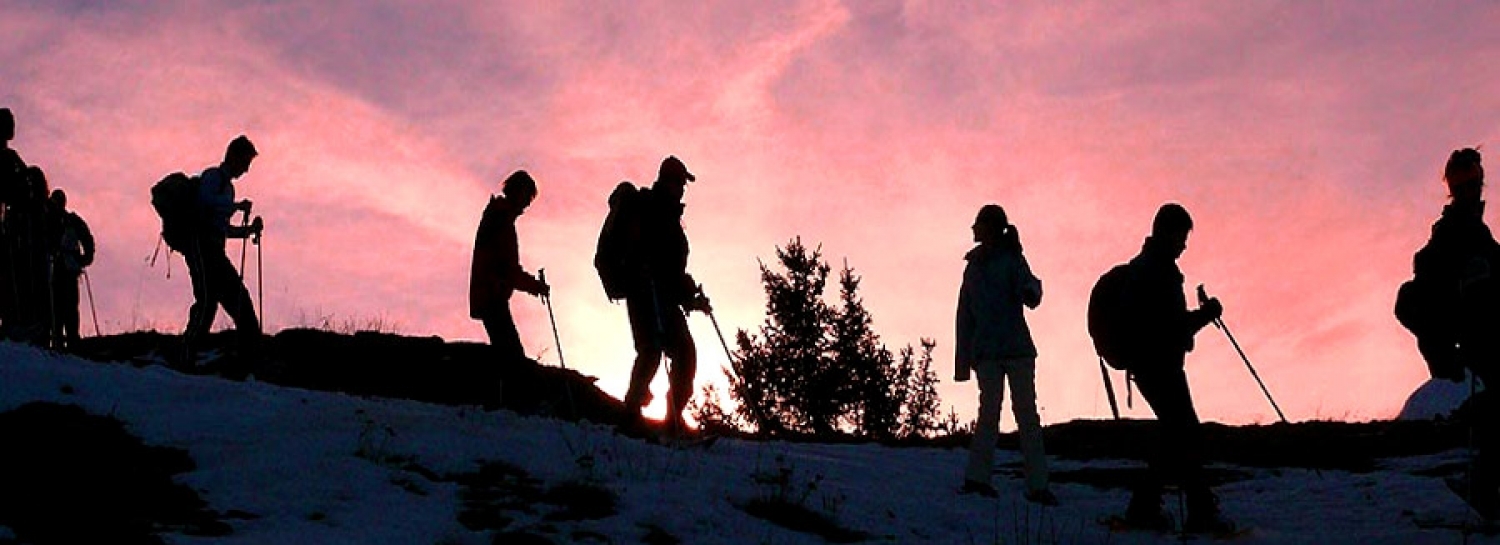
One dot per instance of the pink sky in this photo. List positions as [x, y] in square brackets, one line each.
[1306, 138]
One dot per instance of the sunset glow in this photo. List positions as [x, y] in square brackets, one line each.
[1307, 140]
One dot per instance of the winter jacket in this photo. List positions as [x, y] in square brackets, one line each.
[12, 177]
[1460, 260]
[74, 244]
[1164, 327]
[496, 271]
[660, 252]
[991, 323]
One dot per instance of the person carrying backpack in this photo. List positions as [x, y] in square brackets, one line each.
[658, 291]
[73, 250]
[1452, 305]
[496, 271]
[27, 248]
[994, 343]
[1162, 336]
[202, 243]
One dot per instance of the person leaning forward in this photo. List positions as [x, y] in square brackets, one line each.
[496, 273]
[1165, 329]
[203, 245]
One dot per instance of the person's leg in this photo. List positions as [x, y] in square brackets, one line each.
[683, 369]
[500, 325]
[648, 353]
[65, 285]
[982, 446]
[201, 314]
[1022, 377]
[227, 289]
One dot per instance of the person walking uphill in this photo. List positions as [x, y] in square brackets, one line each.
[1457, 321]
[202, 244]
[496, 270]
[995, 344]
[1163, 330]
[73, 250]
[659, 292]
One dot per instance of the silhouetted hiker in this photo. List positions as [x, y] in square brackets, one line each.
[1453, 306]
[496, 271]
[995, 344]
[26, 245]
[1163, 335]
[658, 293]
[12, 188]
[72, 251]
[202, 244]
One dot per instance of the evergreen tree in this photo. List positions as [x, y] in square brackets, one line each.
[814, 369]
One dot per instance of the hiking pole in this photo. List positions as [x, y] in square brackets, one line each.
[89, 288]
[260, 282]
[1219, 323]
[243, 245]
[557, 341]
[547, 301]
[717, 331]
[1109, 389]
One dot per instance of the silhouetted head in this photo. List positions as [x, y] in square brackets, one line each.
[622, 191]
[58, 199]
[7, 125]
[520, 189]
[1171, 227]
[672, 178]
[1464, 174]
[990, 224]
[36, 183]
[238, 157]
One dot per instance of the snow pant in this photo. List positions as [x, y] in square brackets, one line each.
[658, 329]
[27, 307]
[216, 283]
[65, 308]
[500, 325]
[1179, 458]
[992, 376]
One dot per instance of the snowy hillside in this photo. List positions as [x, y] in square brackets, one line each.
[284, 465]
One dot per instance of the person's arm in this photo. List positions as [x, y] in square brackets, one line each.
[1030, 289]
[963, 351]
[85, 239]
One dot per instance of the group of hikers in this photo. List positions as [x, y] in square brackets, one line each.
[44, 249]
[1146, 327]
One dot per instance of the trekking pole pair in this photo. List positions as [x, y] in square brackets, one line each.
[260, 294]
[1219, 323]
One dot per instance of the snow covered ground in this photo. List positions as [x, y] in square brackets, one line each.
[325, 468]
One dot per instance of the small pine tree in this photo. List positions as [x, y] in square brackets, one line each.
[814, 369]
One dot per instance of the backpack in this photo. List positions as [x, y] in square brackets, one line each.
[175, 199]
[612, 256]
[1109, 319]
[1428, 311]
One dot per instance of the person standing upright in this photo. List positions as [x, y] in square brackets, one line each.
[659, 293]
[73, 250]
[1457, 322]
[496, 273]
[994, 342]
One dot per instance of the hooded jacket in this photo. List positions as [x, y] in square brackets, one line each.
[991, 323]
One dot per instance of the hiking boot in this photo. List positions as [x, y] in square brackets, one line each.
[1204, 516]
[976, 487]
[1042, 497]
[1147, 513]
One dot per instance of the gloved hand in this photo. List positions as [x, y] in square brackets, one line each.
[257, 225]
[542, 290]
[1212, 308]
[243, 205]
[700, 303]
